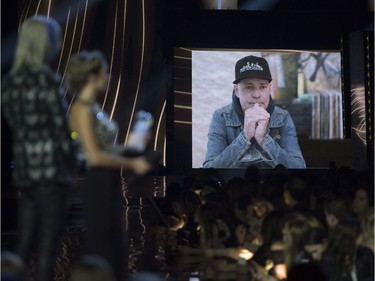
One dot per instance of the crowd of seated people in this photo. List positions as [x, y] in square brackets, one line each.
[285, 226]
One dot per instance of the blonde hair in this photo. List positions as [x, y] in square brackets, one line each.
[38, 40]
[298, 224]
[81, 66]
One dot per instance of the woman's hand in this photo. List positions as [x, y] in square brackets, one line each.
[140, 165]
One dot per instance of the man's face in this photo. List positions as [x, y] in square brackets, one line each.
[253, 90]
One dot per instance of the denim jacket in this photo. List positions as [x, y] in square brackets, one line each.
[228, 147]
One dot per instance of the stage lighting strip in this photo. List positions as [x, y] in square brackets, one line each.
[157, 134]
[37, 8]
[24, 15]
[158, 125]
[112, 59]
[71, 42]
[70, 54]
[140, 73]
[63, 43]
[80, 40]
[83, 25]
[113, 55]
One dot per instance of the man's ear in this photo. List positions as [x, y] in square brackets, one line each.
[235, 89]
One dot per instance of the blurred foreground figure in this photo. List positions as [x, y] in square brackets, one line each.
[33, 106]
[92, 268]
[96, 133]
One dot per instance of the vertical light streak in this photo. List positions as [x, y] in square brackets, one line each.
[21, 17]
[115, 140]
[127, 215]
[71, 101]
[117, 93]
[122, 49]
[123, 46]
[71, 44]
[83, 26]
[25, 15]
[49, 8]
[124, 188]
[140, 216]
[165, 151]
[123, 30]
[140, 71]
[63, 43]
[122, 58]
[37, 8]
[112, 57]
[158, 126]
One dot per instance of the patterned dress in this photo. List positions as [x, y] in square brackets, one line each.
[32, 104]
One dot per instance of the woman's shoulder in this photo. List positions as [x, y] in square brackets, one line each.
[84, 110]
[78, 107]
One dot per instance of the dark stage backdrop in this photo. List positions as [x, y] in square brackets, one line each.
[138, 37]
[127, 32]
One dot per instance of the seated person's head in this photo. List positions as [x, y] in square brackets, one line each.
[260, 206]
[191, 201]
[252, 174]
[343, 241]
[215, 225]
[335, 210]
[294, 228]
[241, 208]
[363, 200]
[186, 203]
[296, 225]
[295, 191]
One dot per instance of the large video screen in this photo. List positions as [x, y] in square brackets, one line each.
[306, 84]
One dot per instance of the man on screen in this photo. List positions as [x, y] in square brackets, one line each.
[252, 130]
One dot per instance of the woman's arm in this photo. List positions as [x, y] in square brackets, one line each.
[82, 122]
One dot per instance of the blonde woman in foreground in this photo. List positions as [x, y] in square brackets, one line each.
[32, 103]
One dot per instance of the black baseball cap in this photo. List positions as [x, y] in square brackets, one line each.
[252, 67]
